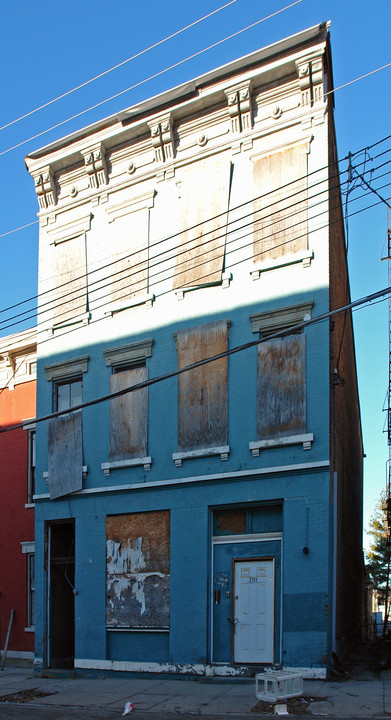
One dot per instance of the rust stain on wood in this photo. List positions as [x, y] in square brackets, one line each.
[128, 416]
[204, 194]
[70, 269]
[281, 387]
[202, 392]
[280, 210]
[129, 249]
[231, 521]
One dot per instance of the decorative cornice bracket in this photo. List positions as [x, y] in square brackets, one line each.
[162, 138]
[310, 72]
[45, 188]
[95, 165]
[239, 106]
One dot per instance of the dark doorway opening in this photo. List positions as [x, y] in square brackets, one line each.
[61, 557]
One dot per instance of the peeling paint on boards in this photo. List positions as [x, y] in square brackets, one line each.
[138, 570]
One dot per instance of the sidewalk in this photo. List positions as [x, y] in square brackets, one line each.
[358, 693]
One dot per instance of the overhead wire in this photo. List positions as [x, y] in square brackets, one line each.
[66, 329]
[151, 77]
[200, 363]
[118, 65]
[177, 250]
[180, 232]
[174, 254]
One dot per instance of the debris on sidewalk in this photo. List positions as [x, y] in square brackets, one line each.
[295, 706]
[128, 708]
[24, 696]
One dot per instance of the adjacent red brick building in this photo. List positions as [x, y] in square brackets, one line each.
[17, 480]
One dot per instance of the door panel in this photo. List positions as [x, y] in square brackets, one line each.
[254, 611]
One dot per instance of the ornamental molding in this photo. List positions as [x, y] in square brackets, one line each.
[310, 73]
[162, 138]
[239, 106]
[67, 368]
[95, 165]
[45, 188]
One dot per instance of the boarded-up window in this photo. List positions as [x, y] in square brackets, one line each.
[281, 387]
[280, 207]
[70, 278]
[202, 392]
[204, 193]
[138, 570]
[128, 415]
[129, 249]
[65, 454]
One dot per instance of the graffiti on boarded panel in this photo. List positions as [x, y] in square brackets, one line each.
[138, 570]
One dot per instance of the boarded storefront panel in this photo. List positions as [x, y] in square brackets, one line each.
[128, 416]
[204, 193]
[65, 454]
[202, 392]
[138, 570]
[70, 280]
[281, 387]
[280, 207]
[129, 251]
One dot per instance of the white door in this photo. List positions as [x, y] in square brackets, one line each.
[254, 611]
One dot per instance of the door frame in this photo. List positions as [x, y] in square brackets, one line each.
[50, 524]
[267, 558]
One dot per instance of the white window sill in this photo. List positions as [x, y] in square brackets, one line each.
[224, 282]
[120, 464]
[300, 257]
[146, 300]
[78, 320]
[29, 505]
[45, 474]
[30, 629]
[306, 440]
[223, 451]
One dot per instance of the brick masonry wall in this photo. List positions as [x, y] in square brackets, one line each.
[16, 521]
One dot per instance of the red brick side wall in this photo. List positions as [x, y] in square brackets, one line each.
[16, 521]
[345, 438]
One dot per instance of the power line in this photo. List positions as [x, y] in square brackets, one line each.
[227, 353]
[67, 330]
[173, 254]
[115, 67]
[362, 77]
[151, 77]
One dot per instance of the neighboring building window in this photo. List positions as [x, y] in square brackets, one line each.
[30, 589]
[31, 466]
[138, 571]
[28, 549]
[203, 391]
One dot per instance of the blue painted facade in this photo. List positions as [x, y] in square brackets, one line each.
[282, 505]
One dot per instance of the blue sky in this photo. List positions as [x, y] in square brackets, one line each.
[49, 48]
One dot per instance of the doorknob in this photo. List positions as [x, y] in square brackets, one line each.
[233, 621]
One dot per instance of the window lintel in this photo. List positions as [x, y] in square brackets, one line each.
[67, 368]
[280, 318]
[133, 352]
